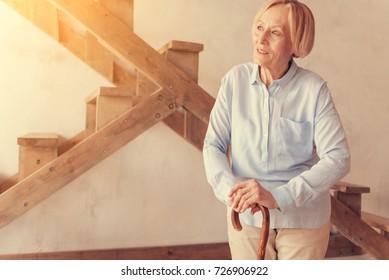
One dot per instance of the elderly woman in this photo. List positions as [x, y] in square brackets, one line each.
[285, 140]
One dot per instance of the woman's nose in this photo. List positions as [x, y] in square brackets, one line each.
[261, 37]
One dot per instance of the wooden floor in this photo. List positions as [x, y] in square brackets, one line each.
[214, 251]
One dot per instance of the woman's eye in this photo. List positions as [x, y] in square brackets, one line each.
[276, 33]
[260, 28]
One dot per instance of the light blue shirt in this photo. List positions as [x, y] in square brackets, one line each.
[288, 137]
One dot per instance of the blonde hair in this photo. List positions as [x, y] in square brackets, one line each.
[301, 24]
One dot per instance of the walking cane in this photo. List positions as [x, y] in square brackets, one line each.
[264, 230]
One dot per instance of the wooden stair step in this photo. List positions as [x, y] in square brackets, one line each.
[350, 194]
[62, 148]
[182, 46]
[35, 151]
[350, 188]
[185, 55]
[123, 76]
[378, 222]
[106, 104]
[38, 140]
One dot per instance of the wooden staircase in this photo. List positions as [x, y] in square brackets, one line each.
[361, 230]
[149, 89]
[151, 86]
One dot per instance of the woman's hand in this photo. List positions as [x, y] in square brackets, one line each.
[248, 194]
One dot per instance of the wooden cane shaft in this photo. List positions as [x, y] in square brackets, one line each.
[264, 230]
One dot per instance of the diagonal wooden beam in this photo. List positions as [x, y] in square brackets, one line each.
[357, 231]
[29, 192]
[119, 39]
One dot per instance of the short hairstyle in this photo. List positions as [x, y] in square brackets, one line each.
[301, 24]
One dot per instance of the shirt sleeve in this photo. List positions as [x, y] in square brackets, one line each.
[334, 158]
[216, 143]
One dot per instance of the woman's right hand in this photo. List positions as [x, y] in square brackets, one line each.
[248, 194]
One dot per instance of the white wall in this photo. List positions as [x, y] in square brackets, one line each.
[153, 191]
[352, 54]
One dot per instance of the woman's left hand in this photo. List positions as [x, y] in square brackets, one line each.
[248, 194]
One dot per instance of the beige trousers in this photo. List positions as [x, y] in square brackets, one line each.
[283, 243]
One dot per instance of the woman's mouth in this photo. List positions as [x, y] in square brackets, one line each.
[261, 51]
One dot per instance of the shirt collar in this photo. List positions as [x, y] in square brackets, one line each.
[284, 79]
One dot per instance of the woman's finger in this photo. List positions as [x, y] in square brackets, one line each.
[236, 188]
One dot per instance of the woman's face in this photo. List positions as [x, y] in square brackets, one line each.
[271, 37]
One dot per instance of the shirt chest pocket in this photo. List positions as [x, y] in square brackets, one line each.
[295, 139]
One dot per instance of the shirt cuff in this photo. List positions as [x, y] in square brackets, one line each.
[227, 182]
[283, 198]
